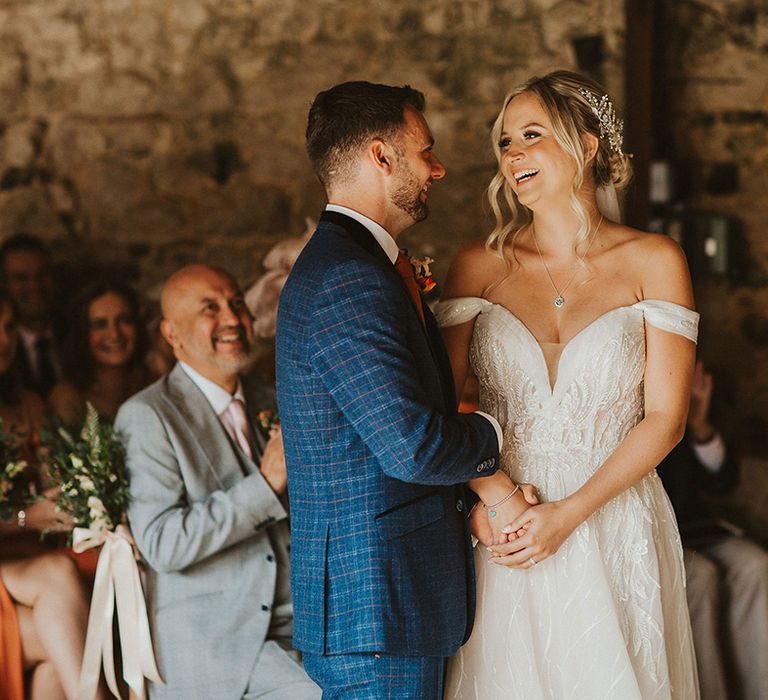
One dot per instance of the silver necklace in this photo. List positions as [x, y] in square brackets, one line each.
[559, 298]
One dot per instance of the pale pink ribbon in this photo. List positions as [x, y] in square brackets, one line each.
[117, 582]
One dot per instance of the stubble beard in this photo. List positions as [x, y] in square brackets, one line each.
[407, 196]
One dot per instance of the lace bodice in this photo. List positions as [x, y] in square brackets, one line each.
[597, 397]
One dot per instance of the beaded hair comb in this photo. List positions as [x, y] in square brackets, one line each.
[611, 127]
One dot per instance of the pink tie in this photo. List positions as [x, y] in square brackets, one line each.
[236, 423]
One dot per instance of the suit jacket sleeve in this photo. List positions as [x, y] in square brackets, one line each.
[361, 351]
[172, 531]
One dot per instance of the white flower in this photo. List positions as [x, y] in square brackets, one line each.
[15, 468]
[96, 507]
[85, 483]
[77, 463]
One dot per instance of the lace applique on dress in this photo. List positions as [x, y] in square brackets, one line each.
[606, 616]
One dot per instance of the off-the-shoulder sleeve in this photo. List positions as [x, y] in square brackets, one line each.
[452, 312]
[671, 317]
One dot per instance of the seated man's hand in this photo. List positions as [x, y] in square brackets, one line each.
[273, 462]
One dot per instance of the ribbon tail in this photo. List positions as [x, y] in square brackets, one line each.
[132, 617]
[108, 651]
[99, 626]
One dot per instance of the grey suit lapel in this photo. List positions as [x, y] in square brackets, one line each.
[226, 461]
[252, 398]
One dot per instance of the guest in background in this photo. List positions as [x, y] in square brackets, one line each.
[26, 272]
[207, 511]
[43, 605]
[726, 573]
[104, 353]
[43, 616]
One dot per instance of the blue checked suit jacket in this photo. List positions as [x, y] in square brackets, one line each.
[376, 456]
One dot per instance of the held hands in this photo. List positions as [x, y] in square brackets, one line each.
[273, 467]
[536, 534]
[488, 530]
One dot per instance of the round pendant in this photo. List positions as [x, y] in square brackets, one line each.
[559, 301]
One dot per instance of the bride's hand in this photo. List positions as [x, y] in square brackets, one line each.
[500, 516]
[531, 495]
[544, 528]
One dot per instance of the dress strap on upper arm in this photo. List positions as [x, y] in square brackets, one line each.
[452, 312]
[671, 317]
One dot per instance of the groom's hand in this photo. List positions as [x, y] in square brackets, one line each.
[479, 525]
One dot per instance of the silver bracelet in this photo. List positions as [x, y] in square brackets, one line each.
[490, 509]
[21, 519]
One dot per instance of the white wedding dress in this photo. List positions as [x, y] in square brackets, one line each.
[606, 616]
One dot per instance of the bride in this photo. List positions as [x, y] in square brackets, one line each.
[581, 334]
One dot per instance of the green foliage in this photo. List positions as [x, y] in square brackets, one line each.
[91, 471]
[14, 476]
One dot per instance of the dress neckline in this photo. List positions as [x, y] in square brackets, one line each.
[573, 337]
[565, 347]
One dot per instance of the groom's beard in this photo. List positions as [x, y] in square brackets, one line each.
[407, 195]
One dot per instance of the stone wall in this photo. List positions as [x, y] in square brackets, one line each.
[718, 87]
[140, 135]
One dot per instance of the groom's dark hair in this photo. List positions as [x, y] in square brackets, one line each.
[345, 117]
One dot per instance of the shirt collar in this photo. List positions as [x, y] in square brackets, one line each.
[30, 337]
[377, 231]
[217, 396]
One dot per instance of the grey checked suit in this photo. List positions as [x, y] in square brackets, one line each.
[216, 541]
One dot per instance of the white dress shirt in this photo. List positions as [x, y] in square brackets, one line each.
[389, 245]
[710, 454]
[217, 396]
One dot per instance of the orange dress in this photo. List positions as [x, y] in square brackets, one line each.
[11, 671]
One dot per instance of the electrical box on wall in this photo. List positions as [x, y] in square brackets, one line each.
[714, 243]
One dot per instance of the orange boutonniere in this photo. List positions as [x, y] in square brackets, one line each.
[422, 274]
[267, 420]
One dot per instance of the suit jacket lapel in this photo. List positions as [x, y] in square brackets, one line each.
[227, 464]
[364, 238]
[441, 360]
[258, 441]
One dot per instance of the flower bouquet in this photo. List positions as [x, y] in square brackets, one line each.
[94, 491]
[91, 472]
[15, 484]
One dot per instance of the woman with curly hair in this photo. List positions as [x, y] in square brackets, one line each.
[104, 353]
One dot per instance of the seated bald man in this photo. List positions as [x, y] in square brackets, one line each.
[207, 508]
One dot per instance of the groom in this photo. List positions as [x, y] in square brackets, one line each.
[382, 577]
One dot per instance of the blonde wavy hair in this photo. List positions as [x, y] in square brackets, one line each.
[572, 117]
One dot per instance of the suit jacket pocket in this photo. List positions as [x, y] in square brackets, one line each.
[404, 519]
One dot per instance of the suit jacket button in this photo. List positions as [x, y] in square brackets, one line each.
[270, 557]
[265, 608]
[460, 505]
